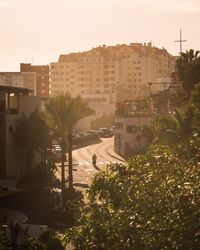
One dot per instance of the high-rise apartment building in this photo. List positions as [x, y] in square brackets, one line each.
[109, 73]
[42, 77]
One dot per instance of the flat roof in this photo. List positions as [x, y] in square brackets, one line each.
[15, 88]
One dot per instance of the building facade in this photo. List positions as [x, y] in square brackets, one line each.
[19, 79]
[110, 69]
[14, 101]
[130, 119]
[42, 77]
[108, 74]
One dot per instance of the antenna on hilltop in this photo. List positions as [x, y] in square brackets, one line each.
[180, 41]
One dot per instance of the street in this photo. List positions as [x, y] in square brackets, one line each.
[83, 170]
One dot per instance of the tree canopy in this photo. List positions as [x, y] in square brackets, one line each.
[188, 69]
[31, 134]
[152, 202]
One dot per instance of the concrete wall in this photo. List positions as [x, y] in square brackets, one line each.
[127, 142]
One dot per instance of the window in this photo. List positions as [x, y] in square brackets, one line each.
[106, 85]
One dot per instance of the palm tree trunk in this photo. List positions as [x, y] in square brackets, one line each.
[70, 166]
[63, 169]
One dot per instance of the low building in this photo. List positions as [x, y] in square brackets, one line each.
[130, 118]
[14, 101]
[19, 79]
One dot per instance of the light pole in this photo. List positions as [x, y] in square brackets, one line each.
[139, 141]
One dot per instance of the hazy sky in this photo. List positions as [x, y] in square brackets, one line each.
[39, 31]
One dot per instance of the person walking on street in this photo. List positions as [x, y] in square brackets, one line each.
[94, 160]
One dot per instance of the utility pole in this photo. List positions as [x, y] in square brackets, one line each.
[180, 41]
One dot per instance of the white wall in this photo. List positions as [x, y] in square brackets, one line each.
[126, 141]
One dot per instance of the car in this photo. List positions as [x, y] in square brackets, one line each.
[80, 184]
[105, 132]
[93, 134]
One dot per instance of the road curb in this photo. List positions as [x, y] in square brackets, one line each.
[114, 156]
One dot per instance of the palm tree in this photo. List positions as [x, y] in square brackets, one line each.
[63, 112]
[188, 69]
[172, 129]
[31, 134]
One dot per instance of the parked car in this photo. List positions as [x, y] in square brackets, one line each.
[93, 134]
[105, 132]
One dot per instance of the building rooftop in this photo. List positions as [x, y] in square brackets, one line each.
[115, 50]
[11, 88]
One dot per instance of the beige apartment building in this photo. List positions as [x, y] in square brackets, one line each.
[107, 74]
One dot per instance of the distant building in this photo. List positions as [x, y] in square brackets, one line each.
[14, 101]
[42, 77]
[110, 73]
[19, 79]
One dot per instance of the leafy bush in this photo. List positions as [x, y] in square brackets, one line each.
[150, 203]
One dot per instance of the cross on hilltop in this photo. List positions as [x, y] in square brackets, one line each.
[180, 41]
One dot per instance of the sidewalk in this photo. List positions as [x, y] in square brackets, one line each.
[113, 154]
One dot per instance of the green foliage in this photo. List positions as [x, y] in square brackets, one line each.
[187, 117]
[194, 106]
[163, 129]
[188, 69]
[177, 100]
[5, 243]
[31, 132]
[51, 240]
[48, 241]
[150, 203]
[33, 244]
[40, 176]
[64, 111]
